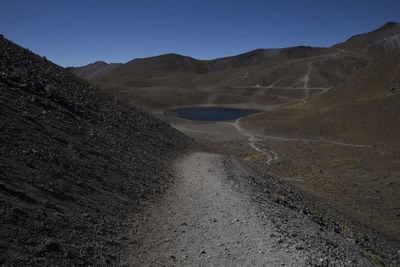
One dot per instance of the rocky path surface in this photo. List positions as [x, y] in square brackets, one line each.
[212, 217]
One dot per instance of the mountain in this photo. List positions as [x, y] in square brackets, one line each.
[94, 70]
[386, 37]
[362, 109]
[75, 164]
[153, 83]
[365, 102]
[173, 63]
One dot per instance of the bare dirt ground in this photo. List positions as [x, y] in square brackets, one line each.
[213, 217]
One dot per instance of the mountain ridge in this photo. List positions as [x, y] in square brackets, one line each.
[386, 37]
[253, 57]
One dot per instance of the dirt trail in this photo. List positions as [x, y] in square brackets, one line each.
[254, 142]
[306, 80]
[210, 219]
[307, 75]
[204, 222]
[259, 137]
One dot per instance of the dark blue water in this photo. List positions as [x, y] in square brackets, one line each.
[211, 114]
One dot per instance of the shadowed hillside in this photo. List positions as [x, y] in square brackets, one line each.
[75, 164]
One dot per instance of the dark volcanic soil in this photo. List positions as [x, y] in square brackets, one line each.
[73, 164]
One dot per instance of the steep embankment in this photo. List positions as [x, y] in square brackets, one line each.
[74, 164]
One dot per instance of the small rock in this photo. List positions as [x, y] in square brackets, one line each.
[52, 246]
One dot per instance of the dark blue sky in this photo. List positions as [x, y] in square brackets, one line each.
[73, 33]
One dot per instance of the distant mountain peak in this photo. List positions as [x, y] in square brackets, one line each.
[387, 26]
[384, 38]
[100, 62]
[94, 70]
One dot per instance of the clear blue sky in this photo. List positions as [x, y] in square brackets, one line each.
[73, 33]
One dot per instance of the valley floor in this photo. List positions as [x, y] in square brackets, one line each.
[215, 215]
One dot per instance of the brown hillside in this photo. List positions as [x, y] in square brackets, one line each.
[154, 88]
[363, 109]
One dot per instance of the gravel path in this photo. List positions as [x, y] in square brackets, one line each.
[209, 219]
